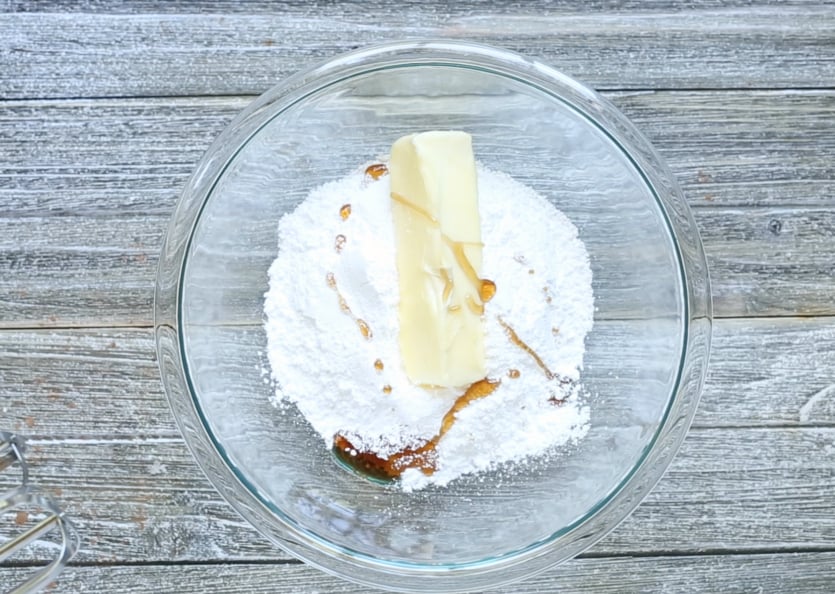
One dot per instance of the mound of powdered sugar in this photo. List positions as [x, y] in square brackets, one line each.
[346, 383]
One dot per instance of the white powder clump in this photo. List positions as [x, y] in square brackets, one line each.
[322, 362]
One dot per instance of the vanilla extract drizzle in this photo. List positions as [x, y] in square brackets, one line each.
[365, 329]
[514, 338]
[424, 457]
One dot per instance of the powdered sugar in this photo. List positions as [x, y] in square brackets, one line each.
[321, 361]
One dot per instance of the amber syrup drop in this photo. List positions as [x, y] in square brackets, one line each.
[365, 330]
[487, 290]
[376, 171]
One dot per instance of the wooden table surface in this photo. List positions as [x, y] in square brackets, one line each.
[105, 108]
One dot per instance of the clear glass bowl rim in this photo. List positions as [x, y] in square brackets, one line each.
[538, 556]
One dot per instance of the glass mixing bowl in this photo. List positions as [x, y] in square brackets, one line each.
[646, 356]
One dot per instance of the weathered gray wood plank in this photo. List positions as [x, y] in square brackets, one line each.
[78, 270]
[94, 55]
[82, 384]
[320, 6]
[778, 261]
[748, 490]
[133, 156]
[763, 262]
[104, 383]
[99, 271]
[771, 148]
[90, 158]
[800, 572]
[103, 157]
[770, 372]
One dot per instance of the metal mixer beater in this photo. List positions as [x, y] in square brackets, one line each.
[27, 497]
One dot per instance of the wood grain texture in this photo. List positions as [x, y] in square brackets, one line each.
[82, 385]
[87, 186]
[104, 383]
[776, 262]
[99, 271]
[770, 372]
[771, 148]
[107, 446]
[736, 95]
[259, 7]
[78, 270]
[105, 157]
[743, 490]
[800, 572]
[95, 55]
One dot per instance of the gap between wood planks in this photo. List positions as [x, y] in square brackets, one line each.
[150, 326]
[253, 96]
[587, 555]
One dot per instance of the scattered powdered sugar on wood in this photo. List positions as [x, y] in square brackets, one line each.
[321, 361]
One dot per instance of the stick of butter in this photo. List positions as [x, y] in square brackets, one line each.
[437, 233]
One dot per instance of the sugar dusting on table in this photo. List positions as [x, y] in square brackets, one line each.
[332, 329]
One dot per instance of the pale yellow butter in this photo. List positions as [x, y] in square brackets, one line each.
[437, 233]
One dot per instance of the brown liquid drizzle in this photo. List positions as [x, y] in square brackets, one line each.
[476, 308]
[345, 211]
[514, 338]
[424, 457]
[339, 243]
[378, 365]
[461, 257]
[486, 288]
[376, 171]
[447, 285]
[387, 389]
[400, 199]
[513, 373]
[365, 330]
[477, 390]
